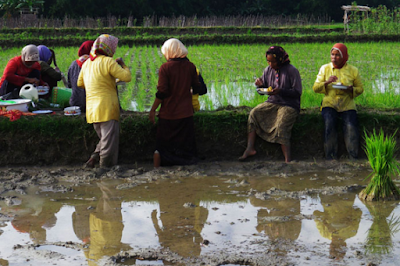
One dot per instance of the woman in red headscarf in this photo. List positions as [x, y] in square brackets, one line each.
[78, 97]
[340, 83]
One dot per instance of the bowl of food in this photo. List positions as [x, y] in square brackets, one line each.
[42, 90]
[15, 104]
[264, 90]
[72, 110]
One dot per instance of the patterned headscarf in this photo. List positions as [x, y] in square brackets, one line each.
[30, 53]
[282, 58]
[44, 53]
[343, 52]
[105, 44]
[174, 48]
[84, 52]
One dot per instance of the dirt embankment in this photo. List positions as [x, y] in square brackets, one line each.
[221, 135]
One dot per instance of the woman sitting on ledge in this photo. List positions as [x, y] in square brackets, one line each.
[19, 71]
[273, 120]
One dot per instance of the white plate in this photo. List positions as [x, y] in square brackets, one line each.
[341, 87]
[42, 112]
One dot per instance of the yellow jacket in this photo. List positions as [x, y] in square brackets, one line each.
[338, 99]
[98, 79]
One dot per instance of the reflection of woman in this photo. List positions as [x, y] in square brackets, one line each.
[175, 134]
[338, 222]
[98, 77]
[273, 120]
[78, 97]
[278, 228]
[105, 228]
[339, 103]
[21, 70]
[49, 74]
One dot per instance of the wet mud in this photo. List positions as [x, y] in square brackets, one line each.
[222, 213]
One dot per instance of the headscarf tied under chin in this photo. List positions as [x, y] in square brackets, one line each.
[84, 52]
[105, 44]
[174, 48]
[343, 53]
[44, 53]
[30, 53]
[282, 58]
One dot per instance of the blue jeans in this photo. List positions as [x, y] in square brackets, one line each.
[350, 132]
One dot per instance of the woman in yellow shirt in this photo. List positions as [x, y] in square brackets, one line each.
[341, 83]
[98, 77]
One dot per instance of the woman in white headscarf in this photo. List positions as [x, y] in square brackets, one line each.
[21, 70]
[98, 77]
[177, 80]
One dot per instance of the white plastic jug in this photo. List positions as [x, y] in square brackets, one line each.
[29, 91]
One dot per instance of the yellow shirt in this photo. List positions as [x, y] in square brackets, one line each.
[339, 99]
[98, 79]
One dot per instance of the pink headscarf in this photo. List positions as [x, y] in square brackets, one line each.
[343, 52]
[105, 44]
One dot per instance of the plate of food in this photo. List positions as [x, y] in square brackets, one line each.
[339, 86]
[42, 90]
[264, 90]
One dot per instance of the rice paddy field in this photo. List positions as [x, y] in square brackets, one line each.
[230, 70]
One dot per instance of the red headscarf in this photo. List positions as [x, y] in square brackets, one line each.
[84, 52]
[343, 52]
[85, 48]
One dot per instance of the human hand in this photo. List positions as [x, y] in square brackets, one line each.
[274, 91]
[120, 61]
[331, 79]
[349, 89]
[33, 81]
[152, 116]
[258, 82]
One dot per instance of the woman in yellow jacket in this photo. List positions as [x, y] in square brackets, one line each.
[341, 83]
[98, 77]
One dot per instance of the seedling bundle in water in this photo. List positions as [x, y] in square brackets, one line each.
[380, 152]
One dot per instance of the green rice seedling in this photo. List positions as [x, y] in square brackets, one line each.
[380, 152]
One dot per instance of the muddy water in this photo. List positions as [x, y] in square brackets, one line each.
[282, 218]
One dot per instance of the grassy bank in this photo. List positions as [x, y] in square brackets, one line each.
[221, 135]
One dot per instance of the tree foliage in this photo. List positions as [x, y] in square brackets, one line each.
[142, 8]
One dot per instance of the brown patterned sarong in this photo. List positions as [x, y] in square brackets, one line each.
[272, 122]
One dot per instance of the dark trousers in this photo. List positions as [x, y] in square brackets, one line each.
[350, 132]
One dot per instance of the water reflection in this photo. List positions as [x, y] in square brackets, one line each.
[276, 218]
[388, 82]
[384, 226]
[181, 215]
[338, 222]
[105, 224]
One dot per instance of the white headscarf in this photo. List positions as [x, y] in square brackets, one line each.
[174, 48]
[30, 53]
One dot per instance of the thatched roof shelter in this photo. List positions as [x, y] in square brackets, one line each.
[352, 8]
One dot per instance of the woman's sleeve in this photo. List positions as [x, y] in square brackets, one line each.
[162, 86]
[49, 71]
[121, 73]
[357, 85]
[295, 85]
[9, 73]
[80, 82]
[319, 84]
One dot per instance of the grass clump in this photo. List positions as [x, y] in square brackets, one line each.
[380, 153]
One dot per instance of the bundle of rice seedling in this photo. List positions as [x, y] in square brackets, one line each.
[380, 152]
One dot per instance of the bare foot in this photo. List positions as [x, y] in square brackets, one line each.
[247, 153]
